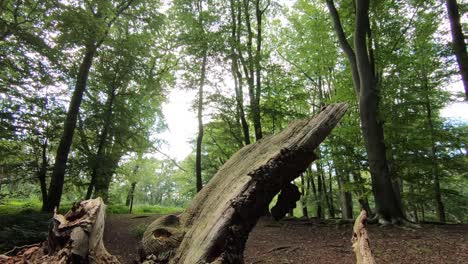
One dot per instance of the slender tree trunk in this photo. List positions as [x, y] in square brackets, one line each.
[458, 42]
[237, 75]
[361, 192]
[198, 164]
[414, 206]
[320, 213]
[435, 170]
[345, 196]
[58, 173]
[316, 196]
[42, 173]
[330, 193]
[304, 198]
[326, 196]
[258, 68]
[131, 195]
[250, 73]
[97, 162]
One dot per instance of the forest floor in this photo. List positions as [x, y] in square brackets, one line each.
[315, 241]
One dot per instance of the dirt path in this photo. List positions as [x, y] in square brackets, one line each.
[312, 241]
[120, 234]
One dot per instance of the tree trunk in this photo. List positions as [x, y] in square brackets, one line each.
[249, 69]
[361, 192]
[42, 173]
[236, 73]
[97, 162]
[58, 173]
[198, 165]
[305, 213]
[345, 196]
[320, 213]
[458, 42]
[388, 209]
[414, 206]
[258, 69]
[73, 238]
[434, 164]
[215, 228]
[330, 193]
[131, 196]
[105, 172]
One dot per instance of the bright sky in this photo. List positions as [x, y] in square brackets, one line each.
[182, 123]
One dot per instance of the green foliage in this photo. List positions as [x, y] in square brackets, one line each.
[145, 53]
[143, 209]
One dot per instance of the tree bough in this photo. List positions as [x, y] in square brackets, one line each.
[215, 228]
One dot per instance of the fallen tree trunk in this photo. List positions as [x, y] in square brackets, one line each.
[75, 237]
[216, 226]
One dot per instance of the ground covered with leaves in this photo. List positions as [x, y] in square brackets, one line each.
[315, 241]
[287, 241]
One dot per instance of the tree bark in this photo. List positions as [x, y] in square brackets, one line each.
[458, 42]
[215, 228]
[58, 173]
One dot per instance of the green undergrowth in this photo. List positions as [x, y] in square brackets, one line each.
[23, 223]
[143, 209]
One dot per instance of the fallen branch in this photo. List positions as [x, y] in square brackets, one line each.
[360, 240]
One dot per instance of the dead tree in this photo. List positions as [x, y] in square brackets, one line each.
[75, 237]
[216, 226]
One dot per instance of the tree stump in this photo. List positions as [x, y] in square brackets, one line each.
[216, 226]
[75, 237]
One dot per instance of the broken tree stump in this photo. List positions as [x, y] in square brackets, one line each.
[75, 237]
[216, 226]
[360, 240]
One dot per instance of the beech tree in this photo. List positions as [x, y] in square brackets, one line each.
[362, 61]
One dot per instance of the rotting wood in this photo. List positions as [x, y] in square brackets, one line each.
[75, 237]
[360, 240]
[216, 226]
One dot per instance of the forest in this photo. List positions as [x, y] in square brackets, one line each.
[85, 88]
